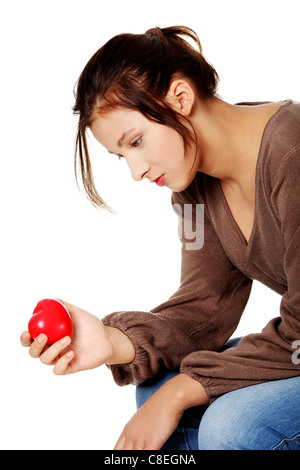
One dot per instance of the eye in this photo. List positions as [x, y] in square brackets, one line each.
[136, 143]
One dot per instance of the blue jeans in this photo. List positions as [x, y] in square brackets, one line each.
[259, 417]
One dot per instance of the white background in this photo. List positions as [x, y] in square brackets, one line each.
[53, 243]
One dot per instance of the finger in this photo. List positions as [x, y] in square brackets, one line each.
[51, 354]
[62, 365]
[128, 446]
[139, 446]
[37, 346]
[120, 443]
[26, 339]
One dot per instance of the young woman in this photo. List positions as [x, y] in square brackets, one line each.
[151, 99]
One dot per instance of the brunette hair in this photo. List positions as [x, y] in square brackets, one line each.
[135, 71]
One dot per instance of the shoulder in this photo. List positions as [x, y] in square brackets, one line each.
[280, 148]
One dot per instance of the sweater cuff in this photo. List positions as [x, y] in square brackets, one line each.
[206, 383]
[130, 373]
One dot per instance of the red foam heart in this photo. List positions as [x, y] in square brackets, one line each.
[52, 318]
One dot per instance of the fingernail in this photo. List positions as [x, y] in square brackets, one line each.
[41, 339]
[70, 353]
[66, 340]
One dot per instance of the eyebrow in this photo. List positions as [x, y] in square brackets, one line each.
[123, 137]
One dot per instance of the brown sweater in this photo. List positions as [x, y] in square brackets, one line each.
[188, 330]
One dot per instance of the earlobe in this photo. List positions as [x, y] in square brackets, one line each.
[181, 97]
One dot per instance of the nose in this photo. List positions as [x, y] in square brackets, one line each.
[139, 168]
[138, 174]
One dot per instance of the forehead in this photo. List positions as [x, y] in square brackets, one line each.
[112, 125]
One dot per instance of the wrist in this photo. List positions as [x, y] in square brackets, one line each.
[123, 350]
[186, 392]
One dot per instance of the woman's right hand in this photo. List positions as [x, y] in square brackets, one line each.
[92, 345]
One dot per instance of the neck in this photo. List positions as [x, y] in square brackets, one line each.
[229, 139]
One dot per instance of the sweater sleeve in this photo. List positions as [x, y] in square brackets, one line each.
[201, 315]
[268, 355]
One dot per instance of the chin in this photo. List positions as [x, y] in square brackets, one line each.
[181, 186]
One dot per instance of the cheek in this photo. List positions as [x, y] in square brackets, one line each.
[169, 148]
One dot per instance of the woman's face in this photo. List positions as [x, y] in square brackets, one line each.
[151, 150]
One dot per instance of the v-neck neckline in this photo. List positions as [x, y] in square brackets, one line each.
[247, 244]
[231, 217]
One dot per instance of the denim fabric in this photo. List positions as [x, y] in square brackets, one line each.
[258, 417]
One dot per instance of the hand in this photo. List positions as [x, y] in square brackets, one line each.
[152, 424]
[157, 419]
[92, 345]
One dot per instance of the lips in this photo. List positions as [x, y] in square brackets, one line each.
[160, 181]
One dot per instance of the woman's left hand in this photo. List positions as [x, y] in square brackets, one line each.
[151, 426]
[157, 419]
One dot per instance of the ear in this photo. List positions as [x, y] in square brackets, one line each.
[181, 97]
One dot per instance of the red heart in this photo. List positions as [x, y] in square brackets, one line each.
[51, 318]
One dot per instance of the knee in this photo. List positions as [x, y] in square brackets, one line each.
[260, 417]
[212, 430]
[229, 425]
